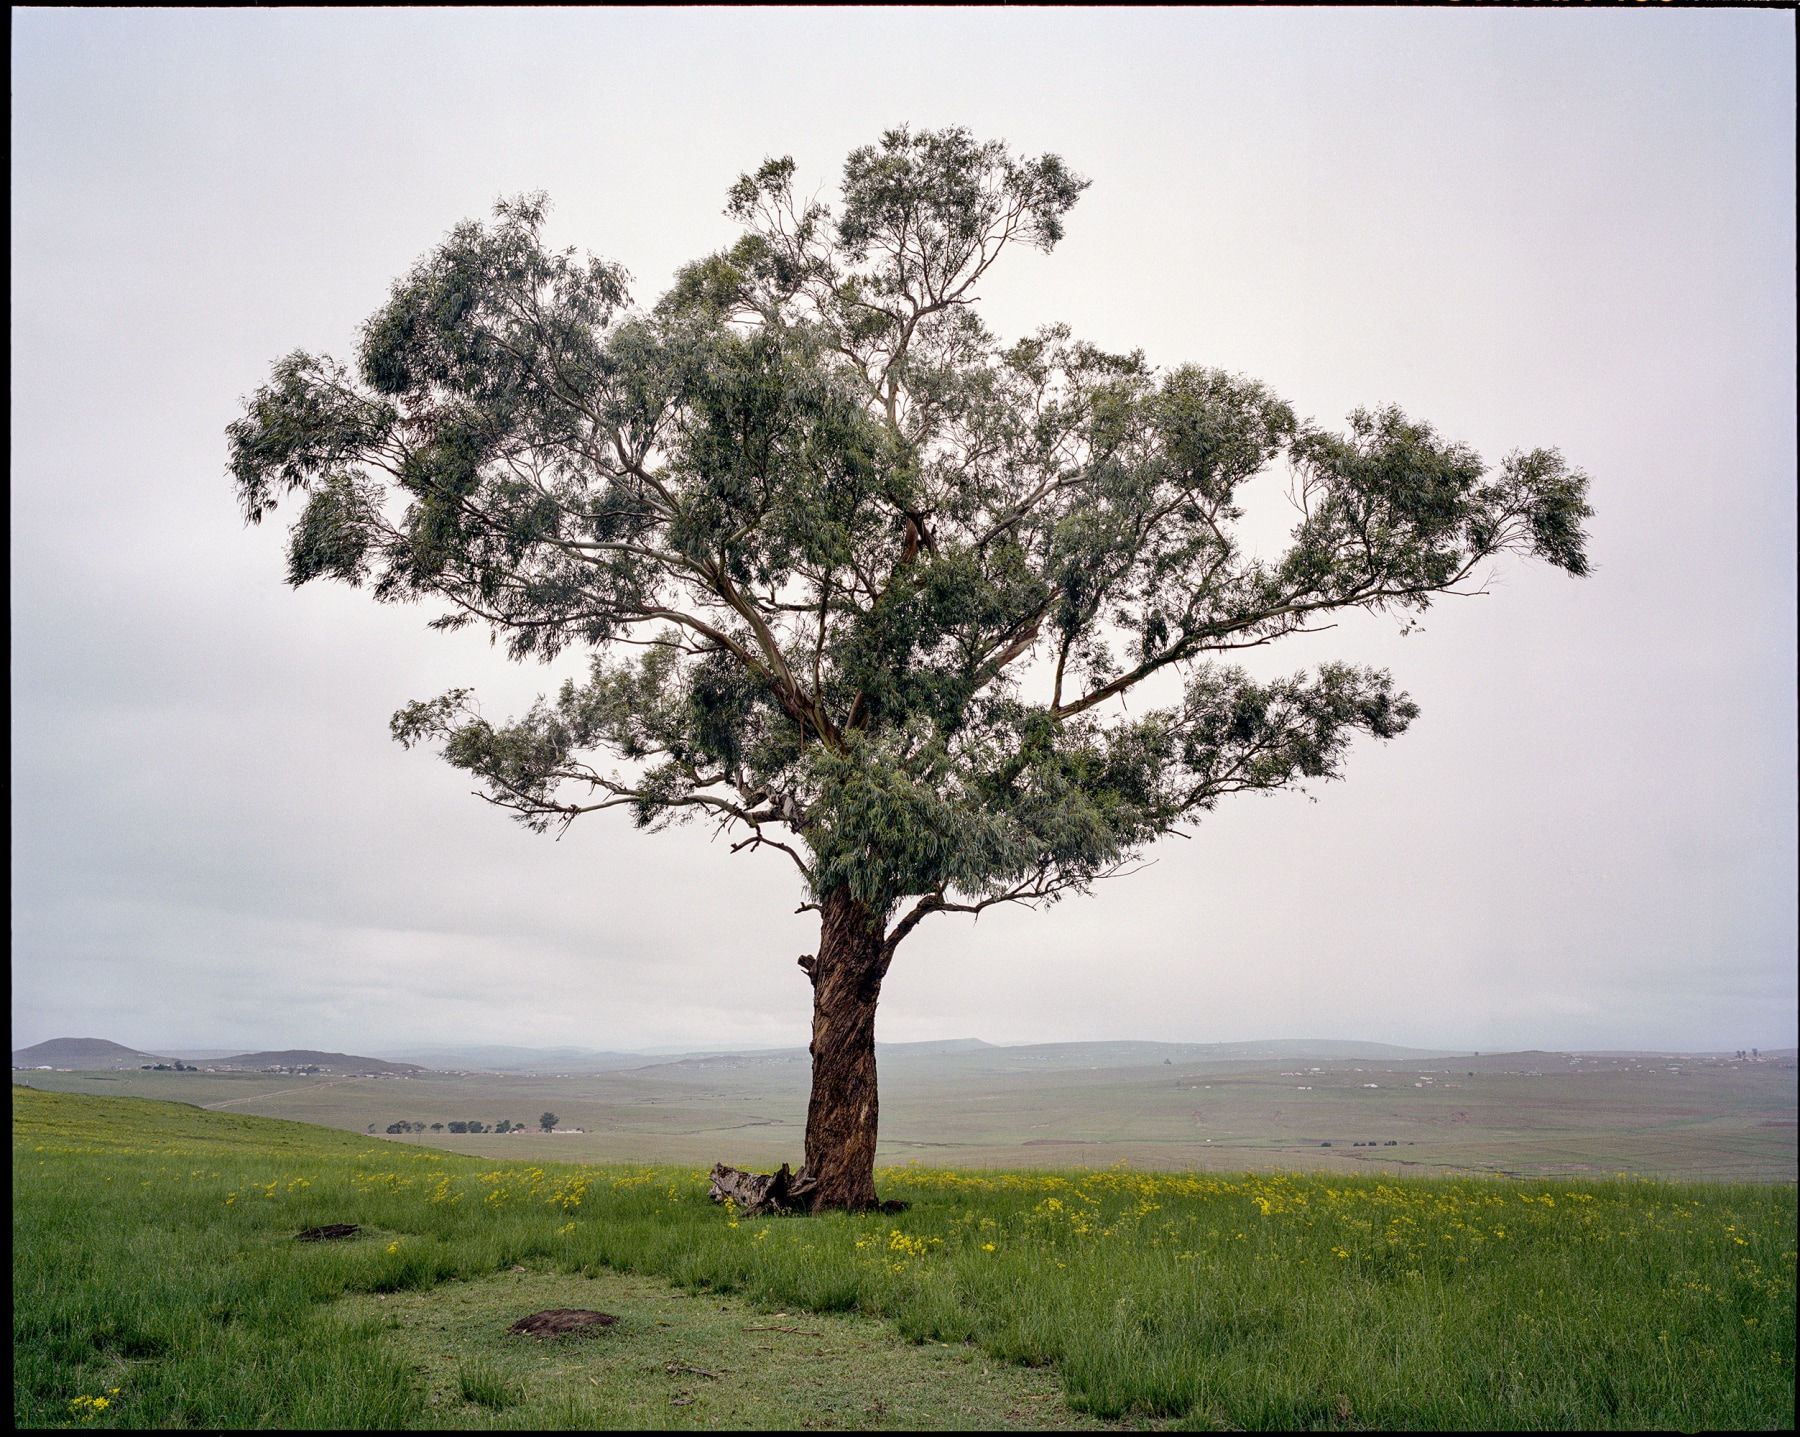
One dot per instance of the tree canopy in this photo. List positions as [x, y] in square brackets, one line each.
[858, 578]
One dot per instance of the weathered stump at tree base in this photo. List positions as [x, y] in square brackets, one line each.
[755, 1193]
[555, 1321]
[781, 1191]
[331, 1232]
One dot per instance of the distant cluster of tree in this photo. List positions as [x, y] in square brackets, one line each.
[546, 1121]
[471, 1126]
[1755, 1054]
[175, 1067]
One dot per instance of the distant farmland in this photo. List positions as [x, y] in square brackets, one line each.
[1091, 1105]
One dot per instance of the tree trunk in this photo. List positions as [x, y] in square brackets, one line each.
[841, 1118]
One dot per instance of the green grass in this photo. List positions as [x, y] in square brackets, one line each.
[152, 1254]
[488, 1388]
[688, 1360]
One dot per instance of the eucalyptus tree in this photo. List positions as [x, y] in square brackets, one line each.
[857, 580]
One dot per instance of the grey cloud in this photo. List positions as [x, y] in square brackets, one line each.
[1531, 229]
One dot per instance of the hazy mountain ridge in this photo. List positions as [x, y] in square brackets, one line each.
[92, 1054]
[311, 1057]
[101, 1054]
[504, 1058]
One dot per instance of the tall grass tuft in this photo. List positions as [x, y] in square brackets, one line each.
[487, 1387]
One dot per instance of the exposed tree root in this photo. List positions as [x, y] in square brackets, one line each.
[782, 1191]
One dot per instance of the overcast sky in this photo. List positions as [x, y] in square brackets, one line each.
[1530, 228]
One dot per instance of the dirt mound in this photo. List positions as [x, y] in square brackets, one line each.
[331, 1232]
[556, 1320]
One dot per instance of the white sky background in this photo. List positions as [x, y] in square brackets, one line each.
[1530, 228]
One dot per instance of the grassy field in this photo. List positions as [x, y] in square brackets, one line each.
[1093, 1105]
[155, 1282]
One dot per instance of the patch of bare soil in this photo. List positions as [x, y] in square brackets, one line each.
[554, 1321]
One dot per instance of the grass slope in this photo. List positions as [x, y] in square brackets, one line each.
[153, 1269]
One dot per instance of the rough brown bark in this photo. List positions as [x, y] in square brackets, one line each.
[843, 1115]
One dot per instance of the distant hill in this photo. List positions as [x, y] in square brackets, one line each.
[201, 1055]
[958, 1056]
[941, 1045]
[972, 1056]
[86, 1054]
[310, 1058]
[98, 1055]
[498, 1058]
